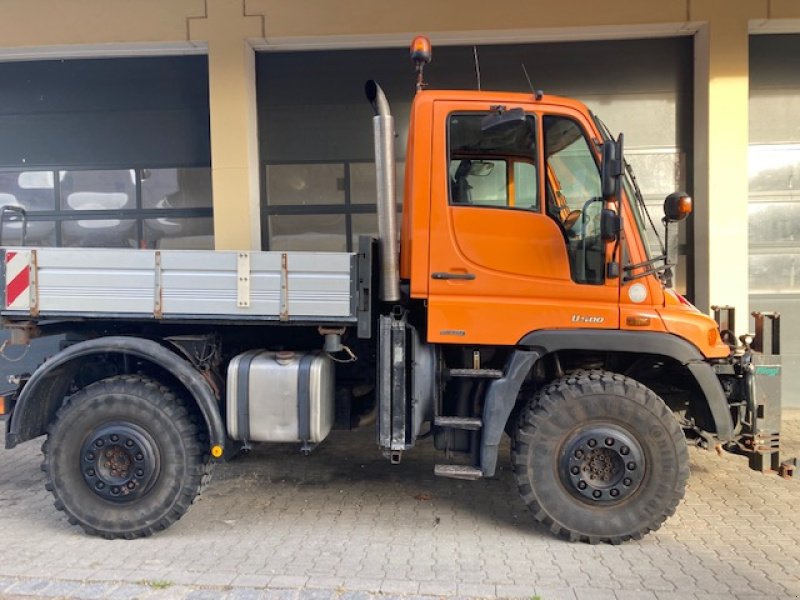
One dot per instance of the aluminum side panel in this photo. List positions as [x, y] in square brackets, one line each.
[97, 280]
[292, 286]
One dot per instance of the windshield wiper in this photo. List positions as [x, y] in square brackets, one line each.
[640, 201]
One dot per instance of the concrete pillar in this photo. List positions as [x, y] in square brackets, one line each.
[721, 146]
[234, 121]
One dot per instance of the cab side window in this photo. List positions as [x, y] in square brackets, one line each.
[493, 169]
[574, 198]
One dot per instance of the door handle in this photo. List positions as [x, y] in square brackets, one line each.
[462, 276]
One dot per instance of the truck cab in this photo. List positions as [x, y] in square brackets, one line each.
[502, 232]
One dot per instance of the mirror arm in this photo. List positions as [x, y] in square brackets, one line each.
[667, 279]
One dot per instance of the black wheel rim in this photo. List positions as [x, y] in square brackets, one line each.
[120, 462]
[602, 464]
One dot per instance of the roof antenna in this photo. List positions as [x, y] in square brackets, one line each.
[477, 66]
[537, 94]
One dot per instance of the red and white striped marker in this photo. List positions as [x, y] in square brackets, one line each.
[18, 280]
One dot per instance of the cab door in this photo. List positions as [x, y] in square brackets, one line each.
[508, 252]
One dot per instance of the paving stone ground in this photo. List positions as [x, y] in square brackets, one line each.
[344, 524]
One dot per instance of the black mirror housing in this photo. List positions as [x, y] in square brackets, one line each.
[610, 225]
[612, 168]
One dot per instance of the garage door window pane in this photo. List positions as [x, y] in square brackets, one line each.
[774, 273]
[774, 169]
[176, 188]
[99, 233]
[774, 222]
[98, 190]
[300, 185]
[31, 190]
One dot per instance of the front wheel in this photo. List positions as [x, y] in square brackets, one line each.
[123, 458]
[599, 457]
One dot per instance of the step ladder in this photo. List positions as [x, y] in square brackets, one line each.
[458, 471]
[464, 423]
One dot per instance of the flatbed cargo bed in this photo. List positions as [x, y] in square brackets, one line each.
[181, 285]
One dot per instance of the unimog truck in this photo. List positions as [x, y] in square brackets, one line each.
[521, 298]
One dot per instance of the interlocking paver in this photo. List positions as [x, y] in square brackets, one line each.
[344, 524]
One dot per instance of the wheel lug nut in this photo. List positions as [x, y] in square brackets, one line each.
[592, 443]
[631, 466]
[131, 485]
[115, 490]
[614, 493]
[90, 456]
[609, 441]
[624, 450]
[99, 443]
[90, 472]
[99, 485]
[597, 494]
[114, 437]
[129, 443]
[578, 453]
[574, 470]
[140, 472]
[581, 485]
[627, 481]
[139, 456]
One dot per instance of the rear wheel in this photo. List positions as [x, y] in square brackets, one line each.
[599, 458]
[123, 458]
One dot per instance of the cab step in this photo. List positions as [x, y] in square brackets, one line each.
[487, 373]
[458, 472]
[467, 423]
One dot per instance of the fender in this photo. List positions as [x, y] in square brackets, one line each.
[500, 400]
[502, 394]
[41, 397]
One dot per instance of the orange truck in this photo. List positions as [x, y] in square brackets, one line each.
[522, 298]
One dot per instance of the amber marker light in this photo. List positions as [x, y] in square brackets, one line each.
[685, 206]
[3, 405]
[638, 321]
[216, 451]
[421, 50]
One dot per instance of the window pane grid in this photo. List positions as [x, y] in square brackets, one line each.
[321, 205]
[109, 207]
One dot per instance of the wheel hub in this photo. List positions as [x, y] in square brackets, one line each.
[602, 463]
[119, 462]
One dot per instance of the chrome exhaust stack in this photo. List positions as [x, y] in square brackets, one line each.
[383, 126]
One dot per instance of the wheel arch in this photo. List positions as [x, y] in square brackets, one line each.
[503, 393]
[44, 392]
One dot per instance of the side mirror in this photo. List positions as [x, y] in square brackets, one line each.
[500, 121]
[610, 225]
[611, 170]
[677, 206]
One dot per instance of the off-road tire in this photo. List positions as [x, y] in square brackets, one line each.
[157, 421]
[555, 423]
